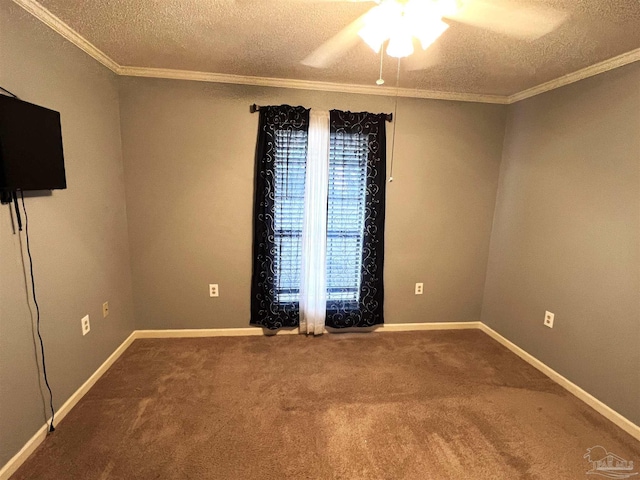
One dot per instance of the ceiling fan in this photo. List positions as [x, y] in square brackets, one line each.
[396, 23]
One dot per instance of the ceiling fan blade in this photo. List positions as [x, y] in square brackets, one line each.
[526, 22]
[334, 48]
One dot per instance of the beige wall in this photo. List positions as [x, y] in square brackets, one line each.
[189, 163]
[78, 236]
[566, 235]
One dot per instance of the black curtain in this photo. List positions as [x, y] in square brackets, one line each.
[266, 311]
[369, 309]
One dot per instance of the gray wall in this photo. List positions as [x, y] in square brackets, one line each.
[189, 164]
[78, 236]
[566, 235]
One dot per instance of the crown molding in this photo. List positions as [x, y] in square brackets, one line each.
[57, 25]
[53, 22]
[596, 69]
[307, 85]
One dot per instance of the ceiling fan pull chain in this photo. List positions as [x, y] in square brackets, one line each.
[380, 80]
[395, 123]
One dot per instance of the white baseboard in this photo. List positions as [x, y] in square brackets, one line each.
[253, 331]
[78, 394]
[18, 459]
[211, 332]
[409, 327]
[606, 411]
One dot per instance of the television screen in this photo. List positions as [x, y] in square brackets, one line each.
[30, 147]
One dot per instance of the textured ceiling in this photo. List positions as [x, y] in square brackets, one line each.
[269, 38]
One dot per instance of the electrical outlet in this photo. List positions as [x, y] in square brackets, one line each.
[213, 290]
[419, 288]
[548, 319]
[105, 309]
[86, 326]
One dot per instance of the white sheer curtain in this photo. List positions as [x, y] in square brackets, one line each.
[313, 274]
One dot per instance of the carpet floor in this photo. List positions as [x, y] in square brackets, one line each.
[406, 405]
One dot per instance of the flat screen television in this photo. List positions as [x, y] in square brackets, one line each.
[31, 156]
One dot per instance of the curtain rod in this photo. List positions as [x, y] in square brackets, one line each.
[254, 108]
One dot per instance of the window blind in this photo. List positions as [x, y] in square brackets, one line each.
[289, 172]
[345, 216]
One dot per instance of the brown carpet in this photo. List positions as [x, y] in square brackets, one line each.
[406, 405]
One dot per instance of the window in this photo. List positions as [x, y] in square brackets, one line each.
[345, 216]
[289, 178]
[351, 270]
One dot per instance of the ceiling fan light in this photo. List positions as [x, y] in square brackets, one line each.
[430, 33]
[376, 27]
[372, 38]
[400, 45]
